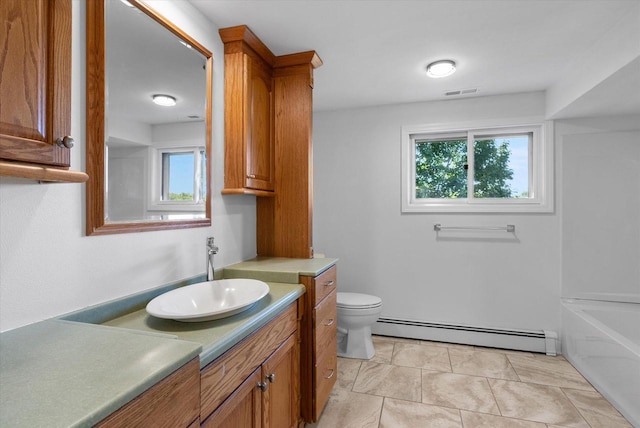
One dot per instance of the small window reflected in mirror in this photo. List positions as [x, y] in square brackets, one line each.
[178, 177]
[181, 176]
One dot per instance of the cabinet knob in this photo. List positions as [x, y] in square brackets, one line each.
[271, 377]
[65, 141]
[262, 386]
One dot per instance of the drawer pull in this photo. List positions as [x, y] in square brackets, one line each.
[331, 321]
[329, 283]
[271, 377]
[330, 374]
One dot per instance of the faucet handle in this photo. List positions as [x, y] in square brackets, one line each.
[210, 245]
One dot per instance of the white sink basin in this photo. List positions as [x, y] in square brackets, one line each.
[206, 301]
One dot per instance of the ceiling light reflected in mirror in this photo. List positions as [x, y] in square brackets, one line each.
[164, 100]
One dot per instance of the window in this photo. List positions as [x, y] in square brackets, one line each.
[498, 169]
[179, 182]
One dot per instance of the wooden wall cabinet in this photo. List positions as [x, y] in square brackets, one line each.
[173, 402]
[319, 343]
[249, 142]
[257, 382]
[268, 134]
[35, 89]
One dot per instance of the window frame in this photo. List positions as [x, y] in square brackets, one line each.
[540, 168]
[156, 203]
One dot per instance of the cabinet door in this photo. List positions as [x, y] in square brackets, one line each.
[280, 400]
[260, 153]
[242, 409]
[35, 81]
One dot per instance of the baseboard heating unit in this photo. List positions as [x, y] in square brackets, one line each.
[544, 341]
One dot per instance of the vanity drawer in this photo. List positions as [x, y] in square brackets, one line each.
[325, 325]
[324, 284]
[221, 377]
[326, 373]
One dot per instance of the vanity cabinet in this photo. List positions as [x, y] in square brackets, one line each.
[319, 345]
[257, 382]
[35, 88]
[173, 402]
[266, 398]
[243, 408]
[249, 140]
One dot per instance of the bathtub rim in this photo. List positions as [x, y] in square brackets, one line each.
[579, 305]
[598, 370]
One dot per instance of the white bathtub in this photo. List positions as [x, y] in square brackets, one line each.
[602, 340]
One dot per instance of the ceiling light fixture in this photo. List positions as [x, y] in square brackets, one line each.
[441, 68]
[164, 100]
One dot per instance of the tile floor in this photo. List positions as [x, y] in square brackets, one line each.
[413, 383]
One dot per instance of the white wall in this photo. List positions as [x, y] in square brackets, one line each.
[128, 183]
[130, 131]
[612, 52]
[492, 281]
[600, 184]
[49, 267]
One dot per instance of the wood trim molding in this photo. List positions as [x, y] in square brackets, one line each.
[300, 58]
[41, 173]
[243, 33]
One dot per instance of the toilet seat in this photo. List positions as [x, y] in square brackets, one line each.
[357, 301]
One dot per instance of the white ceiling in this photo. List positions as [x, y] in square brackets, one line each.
[375, 51]
[137, 49]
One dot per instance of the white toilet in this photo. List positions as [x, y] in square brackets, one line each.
[356, 314]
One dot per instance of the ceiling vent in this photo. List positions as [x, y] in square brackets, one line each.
[462, 92]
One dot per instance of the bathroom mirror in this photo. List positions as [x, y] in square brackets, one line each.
[148, 163]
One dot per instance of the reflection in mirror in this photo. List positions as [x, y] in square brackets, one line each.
[146, 159]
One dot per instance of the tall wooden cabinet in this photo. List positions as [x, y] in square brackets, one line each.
[271, 121]
[35, 89]
[285, 223]
[268, 129]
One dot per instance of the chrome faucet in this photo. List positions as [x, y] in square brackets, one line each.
[211, 251]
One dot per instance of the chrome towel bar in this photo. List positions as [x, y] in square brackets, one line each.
[509, 228]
